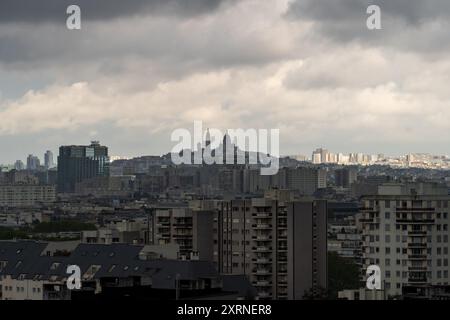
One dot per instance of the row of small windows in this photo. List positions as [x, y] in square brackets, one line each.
[439, 274]
[404, 239]
[21, 289]
[439, 250]
[404, 204]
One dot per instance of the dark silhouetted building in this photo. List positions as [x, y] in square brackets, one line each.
[76, 163]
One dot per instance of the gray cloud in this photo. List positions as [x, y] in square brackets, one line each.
[27, 11]
[414, 12]
[412, 25]
[133, 74]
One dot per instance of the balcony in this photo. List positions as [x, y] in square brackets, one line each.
[262, 238]
[417, 257]
[262, 283]
[262, 249]
[425, 210]
[415, 221]
[262, 226]
[262, 271]
[264, 295]
[417, 268]
[263, 260]
[417, 280]
[417, 233]
[185, 236]
[262, 215]
[417, 245]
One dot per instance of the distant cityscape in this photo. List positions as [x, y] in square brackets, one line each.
[319, 156]
[148, 229]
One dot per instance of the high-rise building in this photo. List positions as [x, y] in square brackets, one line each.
[345, 177]
[33, 162]
[306, 180]
[76, 163]
[321, 156]
[19, 165]
[278, 243]
[48, 160]
[281, 246]
[405, 231]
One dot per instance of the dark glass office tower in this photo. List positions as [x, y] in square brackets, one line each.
[76, 163]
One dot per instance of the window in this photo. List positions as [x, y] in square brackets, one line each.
[91, 271]
[55, 265]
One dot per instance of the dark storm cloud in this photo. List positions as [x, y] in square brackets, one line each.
[405, 23]
[35, 11]
[410, 11]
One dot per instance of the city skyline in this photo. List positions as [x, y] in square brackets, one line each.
[308, 154]
[311, 69]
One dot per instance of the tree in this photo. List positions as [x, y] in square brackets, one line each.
[343, 273]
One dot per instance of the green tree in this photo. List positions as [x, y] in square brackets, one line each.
[62, 226]
[343, 273]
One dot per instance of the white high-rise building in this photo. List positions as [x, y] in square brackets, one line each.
[48, 160]
[405, 231]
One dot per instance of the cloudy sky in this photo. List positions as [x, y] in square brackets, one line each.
[139, 69]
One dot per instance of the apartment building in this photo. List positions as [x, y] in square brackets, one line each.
[190, 229]
[281, 246]
[125, 230]
[19, 195]
[306, 180]
[405, 230]
[279, 243]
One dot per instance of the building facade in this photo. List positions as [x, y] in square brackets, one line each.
[77, 163]
[26, 195]
[405, 231]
